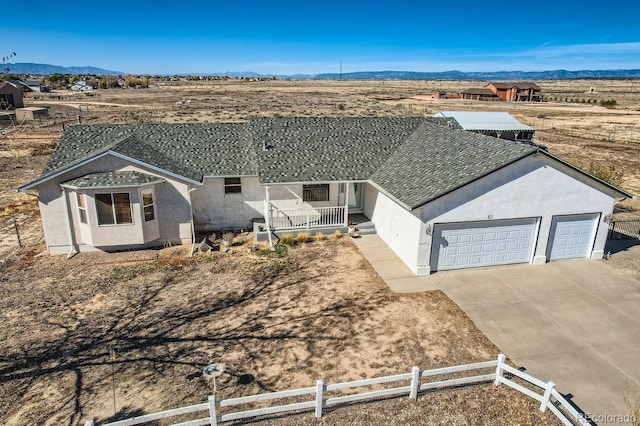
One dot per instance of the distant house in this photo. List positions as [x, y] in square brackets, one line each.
[10, 96]
[497, 124]
[81, 86]
[479, 94]
[36, 85]
[516, 92]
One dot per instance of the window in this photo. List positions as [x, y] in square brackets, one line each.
[319, 192]
[232, 186]
[113, 208]
[82, 208]
[147, 206]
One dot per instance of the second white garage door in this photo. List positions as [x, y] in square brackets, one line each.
[572, 236]
[472, 244]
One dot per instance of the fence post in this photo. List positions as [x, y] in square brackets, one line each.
[501, 359]
[15, 225]
[415, 382]
[319, 390]
[547, 396]
[213, 418]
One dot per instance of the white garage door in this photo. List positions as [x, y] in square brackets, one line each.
[572, 236]
[471, 244]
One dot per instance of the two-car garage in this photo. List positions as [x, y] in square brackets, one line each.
[500, 242]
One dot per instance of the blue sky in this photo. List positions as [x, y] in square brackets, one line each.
[310, 37]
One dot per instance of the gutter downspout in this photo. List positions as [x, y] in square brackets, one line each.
[72, 243]
[267, 216]
[193, 228]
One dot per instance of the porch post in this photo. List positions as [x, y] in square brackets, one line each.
[267, 216]
[346, 204]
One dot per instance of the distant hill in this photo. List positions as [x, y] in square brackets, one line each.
[498, 75]
[45, 69]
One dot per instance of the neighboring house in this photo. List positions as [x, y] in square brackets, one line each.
[441, 198]
[516, 92]
[477, 94]
[10, 96]
[36, 85]
[81, 86]
[497, 124]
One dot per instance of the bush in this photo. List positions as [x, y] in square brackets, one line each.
[302, 237]
[287, 239]
[320, 236]
[278, 251]
[609, 103]
[338, 234]
[610, 174]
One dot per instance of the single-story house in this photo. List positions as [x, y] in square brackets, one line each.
[440, 197]
[497, 124]
[10, 96]
[479, 94]
[36, 85]
[517, 92]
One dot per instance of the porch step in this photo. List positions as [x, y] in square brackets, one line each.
[366, 228]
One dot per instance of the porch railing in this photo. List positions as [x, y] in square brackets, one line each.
[307, 218]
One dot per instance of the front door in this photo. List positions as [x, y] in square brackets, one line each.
[355, 196]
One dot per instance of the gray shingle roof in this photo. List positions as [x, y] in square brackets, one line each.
[412, 159]
[112, 179]
[437, 160]
[326, 149]
[188, 150]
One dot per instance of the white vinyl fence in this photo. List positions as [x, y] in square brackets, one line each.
[411, 384]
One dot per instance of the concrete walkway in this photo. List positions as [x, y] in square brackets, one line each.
[574, 322]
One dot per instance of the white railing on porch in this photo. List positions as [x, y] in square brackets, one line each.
[324, 395]
[306, 217]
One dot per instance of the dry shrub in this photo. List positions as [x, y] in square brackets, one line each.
[610, 174]
[320, 236]
[287, 239]
[337, 234]
[302, 237]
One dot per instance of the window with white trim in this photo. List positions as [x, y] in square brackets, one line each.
[113, 208]
[148, 206]
[82, 207]
[315, 192]
[232, 185]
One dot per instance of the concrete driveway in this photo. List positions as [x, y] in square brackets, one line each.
[576, 322]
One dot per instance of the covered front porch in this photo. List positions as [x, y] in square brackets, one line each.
[311, 208]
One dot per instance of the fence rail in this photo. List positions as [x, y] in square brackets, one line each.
[545, 393]
[625, 229]
[306, 218]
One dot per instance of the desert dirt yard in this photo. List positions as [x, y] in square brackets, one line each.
[319, 312]
[276, 323]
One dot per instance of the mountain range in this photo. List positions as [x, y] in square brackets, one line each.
[44, 69]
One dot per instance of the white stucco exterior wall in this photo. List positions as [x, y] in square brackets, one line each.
[536, 186]
[399, 228]
[214, 210]
[171, 207]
